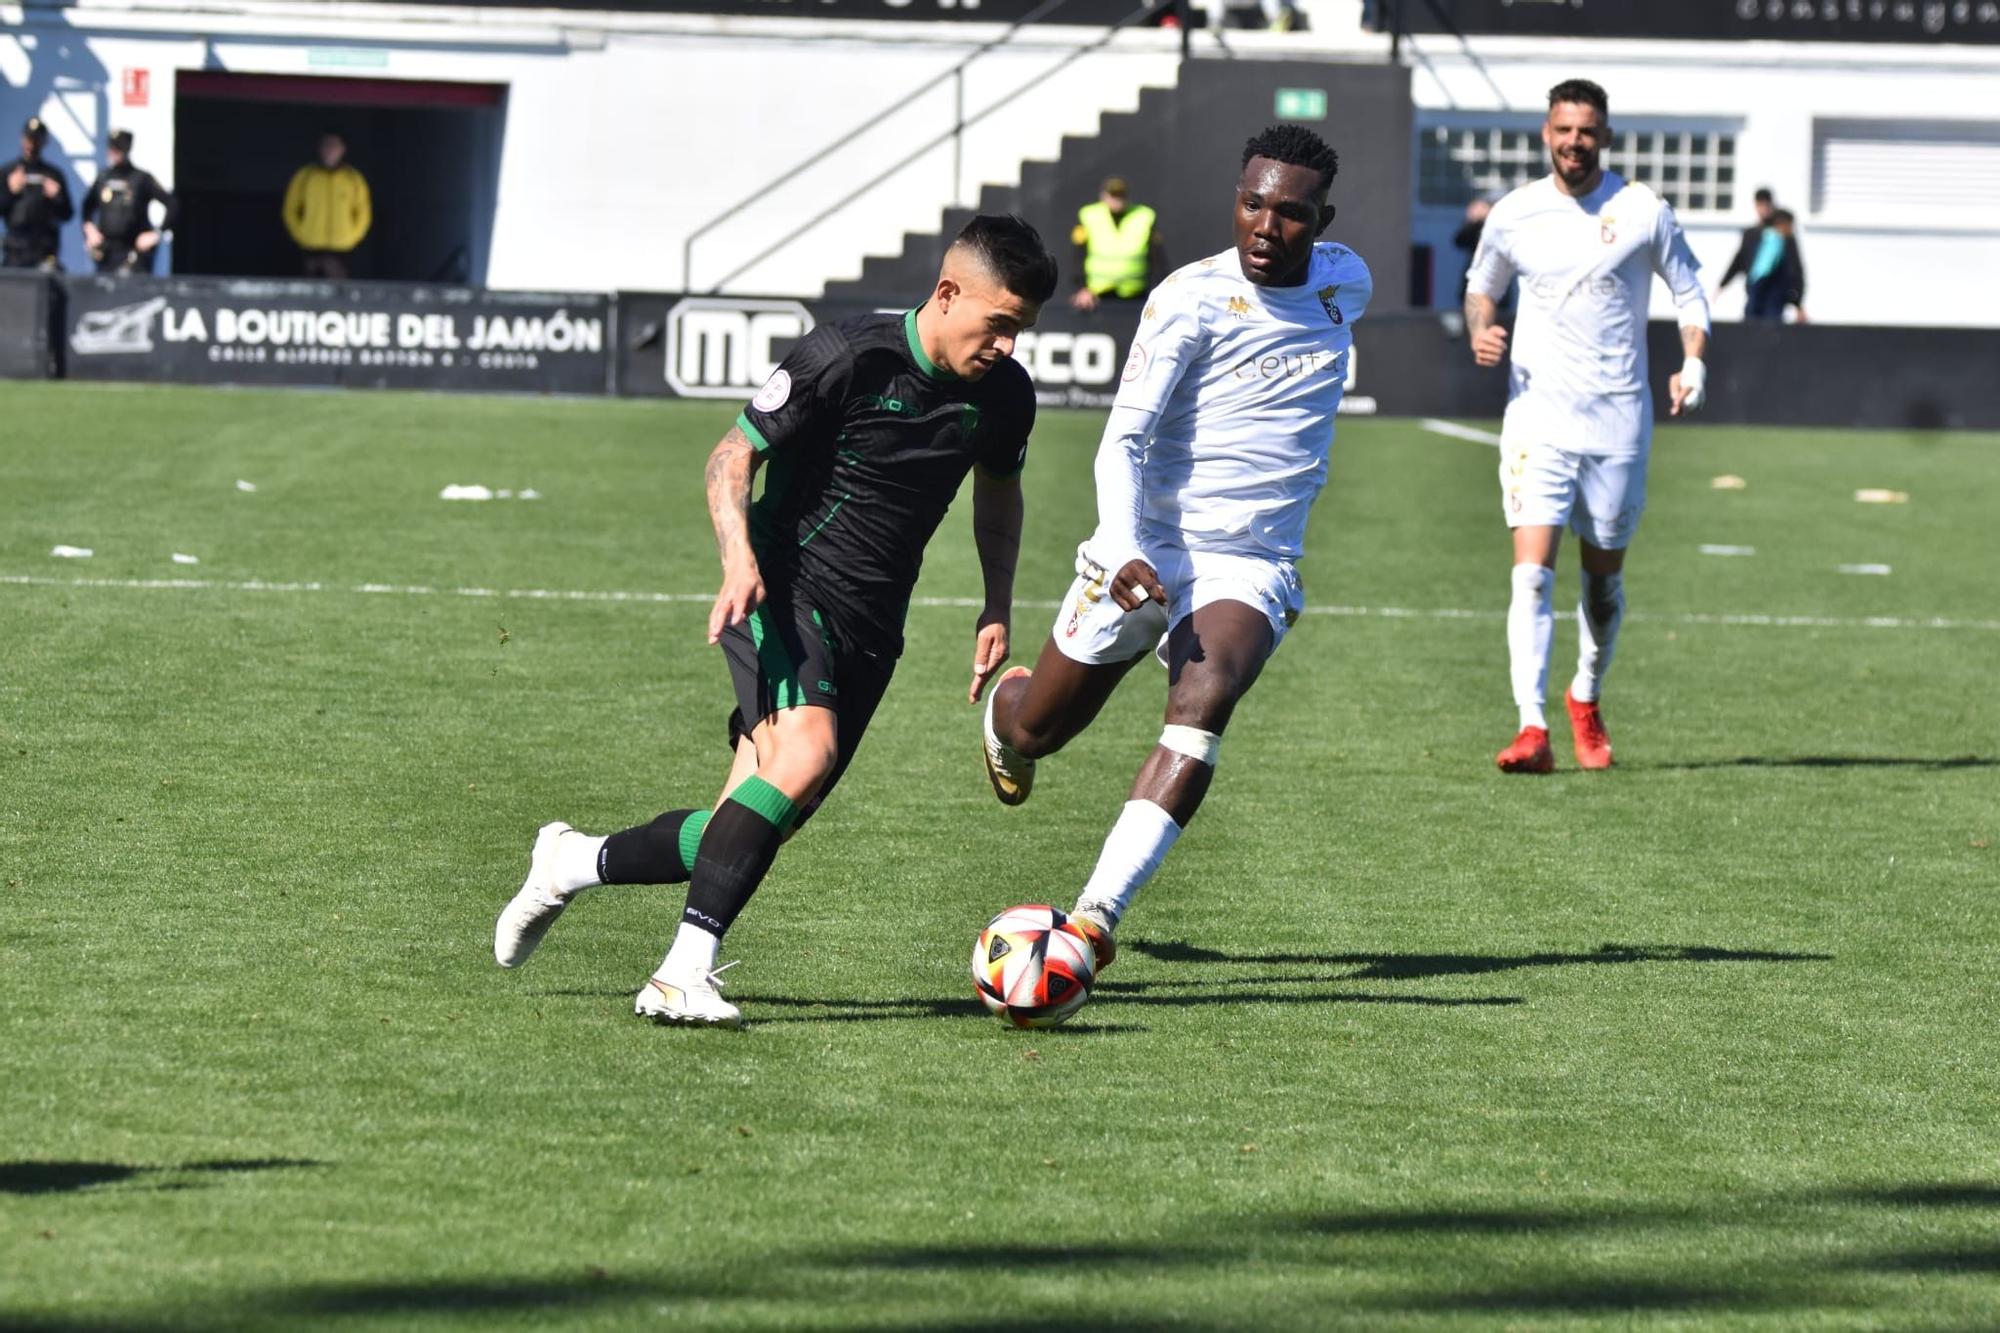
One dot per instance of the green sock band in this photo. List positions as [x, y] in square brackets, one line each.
[756, 794]
[691, 828]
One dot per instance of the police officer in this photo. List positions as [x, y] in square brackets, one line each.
[34, 197]
[1117, 247]
[118, 212]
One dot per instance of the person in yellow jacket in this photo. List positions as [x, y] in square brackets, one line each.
[1118, 248]
[327, 209]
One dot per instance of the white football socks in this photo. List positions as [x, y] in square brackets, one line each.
[1531, 633]
[573, 861]
[694, 951]
[1598, 615]
[1138, 842]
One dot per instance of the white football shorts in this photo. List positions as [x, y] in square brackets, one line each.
[1092, 628]
[1597, 496]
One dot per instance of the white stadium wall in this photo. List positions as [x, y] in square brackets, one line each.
[1909, 234]
[623, 133]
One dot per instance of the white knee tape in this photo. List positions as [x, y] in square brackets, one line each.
[1192, 742]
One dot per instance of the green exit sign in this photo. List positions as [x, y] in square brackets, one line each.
[1301, 104]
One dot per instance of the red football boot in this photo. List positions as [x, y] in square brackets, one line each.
[1586, 728]
[1530, 753]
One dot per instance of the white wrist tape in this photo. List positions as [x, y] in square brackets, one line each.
[1694, 379]
[1193, 742]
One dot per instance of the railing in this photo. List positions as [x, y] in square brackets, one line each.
[955, 135]
[1399, 29]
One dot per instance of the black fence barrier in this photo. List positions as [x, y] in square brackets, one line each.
[27, 325]
[379, 335]
[725, 347]
[1403, 365]
[650, 344]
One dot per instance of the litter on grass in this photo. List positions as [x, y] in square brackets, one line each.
[181, 558]
[1863, 569]
[1728, 481]
[243, 485]
[72, 552]
[477, 492]
[1873, 496]
[1727, 550]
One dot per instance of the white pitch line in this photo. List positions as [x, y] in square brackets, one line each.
[961, 603]
[1437, 426]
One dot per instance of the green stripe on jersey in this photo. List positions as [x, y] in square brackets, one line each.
[917, 352]
[751, 433]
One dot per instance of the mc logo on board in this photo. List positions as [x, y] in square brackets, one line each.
[726, 347]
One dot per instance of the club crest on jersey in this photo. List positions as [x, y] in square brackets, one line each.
[1239, 307]
[1326, 295]
[1607, 228]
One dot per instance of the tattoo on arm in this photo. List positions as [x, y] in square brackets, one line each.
[730, 469]
[1694, 342]
[1480, 312]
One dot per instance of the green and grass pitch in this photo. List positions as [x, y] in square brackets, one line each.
[1394, 1040]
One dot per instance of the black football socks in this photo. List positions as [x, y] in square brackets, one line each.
[736, 852]
[661, 852]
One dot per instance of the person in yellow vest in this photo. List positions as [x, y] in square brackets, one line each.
[1118, 246]
[327, 209]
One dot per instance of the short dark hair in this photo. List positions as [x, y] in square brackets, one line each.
[1581, 90]
[1295, 146]
[1013, 252]
[1763, 195]
[1783, 215]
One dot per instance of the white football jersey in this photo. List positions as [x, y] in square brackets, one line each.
[1577, 378]
[1234, 387]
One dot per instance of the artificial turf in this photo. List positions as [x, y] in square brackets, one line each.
[1394, 1040]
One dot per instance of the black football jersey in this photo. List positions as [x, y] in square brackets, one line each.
[866, 441]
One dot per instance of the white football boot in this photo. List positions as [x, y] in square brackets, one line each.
[692, 998]
[1095, 923]
[525, 919]
[1011, 773]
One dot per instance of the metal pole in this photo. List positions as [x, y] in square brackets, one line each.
[958, 135]
[1185, 13]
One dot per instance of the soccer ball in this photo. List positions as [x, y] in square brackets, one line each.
[1031, 967]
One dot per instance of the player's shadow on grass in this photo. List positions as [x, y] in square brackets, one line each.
[68, 1177]
[1421, 966]
[1833, 761]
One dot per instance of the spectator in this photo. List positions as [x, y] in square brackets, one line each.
[1778, 274]
[1753, 239]
[327, 209]
[1117, 248]
[34, 196]
[118, 212]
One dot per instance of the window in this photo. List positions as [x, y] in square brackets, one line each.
[1692, 169]
[1934, 169]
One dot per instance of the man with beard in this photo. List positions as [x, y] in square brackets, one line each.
[1585, 244]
